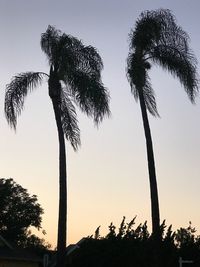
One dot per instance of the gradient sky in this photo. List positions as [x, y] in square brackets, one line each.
[108, 176]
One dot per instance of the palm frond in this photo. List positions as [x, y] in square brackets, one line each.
[69, 121]
[49, 44]
[136, 71]
[138, 78]
[67, 59]
[16, 91]
[181, 64]
[149, 99]
[147, 31]
[81, 72]
[90, 61]
[90, 95]
[74, 56]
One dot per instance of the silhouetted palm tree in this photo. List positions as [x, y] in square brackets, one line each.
[157, 39]
[75, 76]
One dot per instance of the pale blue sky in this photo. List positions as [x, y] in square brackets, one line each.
[108, 176]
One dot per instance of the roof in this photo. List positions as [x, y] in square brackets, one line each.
[10, 253]
[19, 255]
[69, 250]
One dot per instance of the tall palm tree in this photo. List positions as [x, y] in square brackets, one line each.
[158, 39]
[74, 77]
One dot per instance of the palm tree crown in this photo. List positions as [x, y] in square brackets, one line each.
[158, 39]
[75, 77]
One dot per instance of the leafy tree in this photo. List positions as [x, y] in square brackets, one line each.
[158, 39]
[35, 243]
[19, 212]
[74, 76]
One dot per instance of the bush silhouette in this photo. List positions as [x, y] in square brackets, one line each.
[133, 246]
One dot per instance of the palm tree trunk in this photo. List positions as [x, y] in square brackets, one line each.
[62, 219]
[151, 167]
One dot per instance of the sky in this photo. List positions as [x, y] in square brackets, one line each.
[108, 176]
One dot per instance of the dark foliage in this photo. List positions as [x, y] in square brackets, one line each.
[134, 247]
[19, 212]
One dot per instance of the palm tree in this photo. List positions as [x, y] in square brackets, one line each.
[158, 39]
[74, 77]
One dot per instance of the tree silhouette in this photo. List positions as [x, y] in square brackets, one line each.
[19, 211]
[74, 77]
[158, 39]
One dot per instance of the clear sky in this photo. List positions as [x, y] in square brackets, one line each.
[108, 176]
